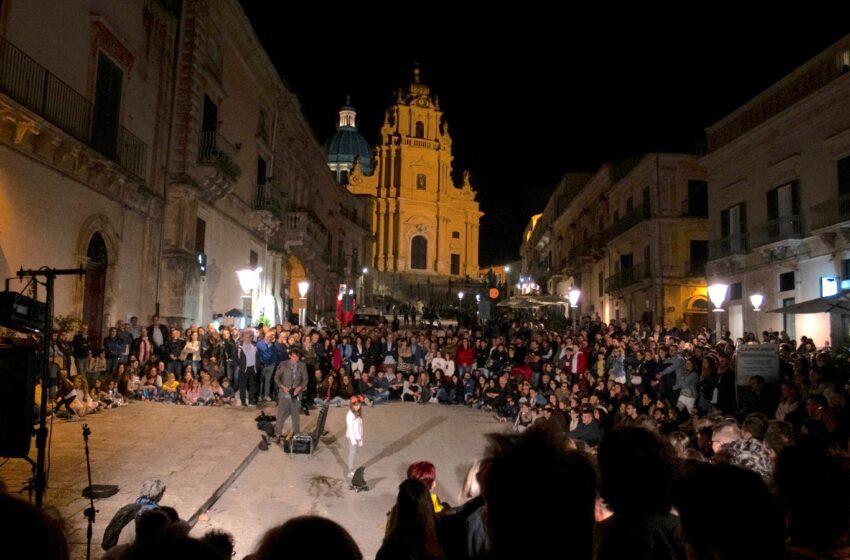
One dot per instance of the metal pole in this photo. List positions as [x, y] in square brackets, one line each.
[41, 433]
[50, 275]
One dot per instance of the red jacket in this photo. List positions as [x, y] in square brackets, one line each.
[580, 361]
[464, 356]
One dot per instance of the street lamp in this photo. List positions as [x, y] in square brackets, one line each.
[248, 280]
[303, 287]
[757, 300]
[478, 298]
[717, 293]
[508, 268]
[573, 297]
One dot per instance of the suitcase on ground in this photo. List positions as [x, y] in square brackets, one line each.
[300, 443]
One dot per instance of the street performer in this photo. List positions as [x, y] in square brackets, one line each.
[291, 379]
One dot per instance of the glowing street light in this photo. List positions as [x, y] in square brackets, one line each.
[573, 296]
[717, 293]
[303, 287]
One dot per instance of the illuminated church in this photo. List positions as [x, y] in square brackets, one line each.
[425, 227]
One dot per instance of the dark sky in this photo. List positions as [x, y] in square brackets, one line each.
[530, 97]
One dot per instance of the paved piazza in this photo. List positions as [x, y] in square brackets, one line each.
[195, 450]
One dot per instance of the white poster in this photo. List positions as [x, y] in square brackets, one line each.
[757, 359]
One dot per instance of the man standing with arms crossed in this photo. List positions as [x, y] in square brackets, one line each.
[291, 379]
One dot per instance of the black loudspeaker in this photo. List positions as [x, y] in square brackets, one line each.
[18, 368]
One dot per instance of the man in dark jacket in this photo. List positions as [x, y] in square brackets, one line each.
[82, 352]
[171, 353]
[588, 429]
[158, 335]
[112, 347]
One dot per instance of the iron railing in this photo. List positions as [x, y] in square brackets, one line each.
[831, 212]
[213, 147]
[627, 277]
[33, 86]
[738, 244]
[779, 229]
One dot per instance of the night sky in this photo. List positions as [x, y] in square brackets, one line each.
[530, 97]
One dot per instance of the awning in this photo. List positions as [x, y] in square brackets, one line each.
[839, 303]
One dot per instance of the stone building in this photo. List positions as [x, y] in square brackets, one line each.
[779, 200]
[425, 227]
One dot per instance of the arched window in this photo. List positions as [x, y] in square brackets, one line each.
[419, 253]
[420, 129]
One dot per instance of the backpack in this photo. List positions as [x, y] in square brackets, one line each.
[120, 520]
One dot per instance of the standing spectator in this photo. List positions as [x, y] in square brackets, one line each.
[112, 347]
[291, 379]
[82, 353]
[135, 328]
[144, 350]
[172, 351]
[126, 341]
[246, 370]
[268, 361]
[540, 453]
[642, 526]
[412, 529]
[158, 335]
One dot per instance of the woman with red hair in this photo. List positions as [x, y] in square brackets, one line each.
[426, 473]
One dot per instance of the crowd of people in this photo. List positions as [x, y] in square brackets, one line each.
[630, 433]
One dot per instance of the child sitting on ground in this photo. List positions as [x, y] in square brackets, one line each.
[206, 396]
[227, 393]
[170, 389]
[189, 392]
[218, 393]
[134, 386]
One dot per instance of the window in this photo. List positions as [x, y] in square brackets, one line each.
[601, 282]
[420, 129]
[786, 281]
[421, 180]
[418, 253]
[630, 205]
[697, 198]
[699, 251]
[646, 256]
[455, 264]
[736, 292]
[455, 235]
[844, 176]
[616, 216]
[107, 107]
[261, 171]
[733, 220]
[845, 269]
[200, 235]
[783, 201]
[253, 259]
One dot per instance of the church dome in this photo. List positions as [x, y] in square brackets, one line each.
[348, 145]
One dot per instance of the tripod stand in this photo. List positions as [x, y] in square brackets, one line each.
[89, 511]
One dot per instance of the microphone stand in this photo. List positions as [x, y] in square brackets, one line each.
[89, 511]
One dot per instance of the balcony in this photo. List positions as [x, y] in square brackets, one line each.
[777, 230]
[627, 222]
[738, 244]
[30, 84]
[214, 148]
[691, 209]
[268, 198]
[833, 212]
[627, 277]
[420, 143]
[303, 232]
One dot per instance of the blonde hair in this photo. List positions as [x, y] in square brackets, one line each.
[471, 488]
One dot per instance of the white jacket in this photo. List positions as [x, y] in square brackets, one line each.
[353, 427]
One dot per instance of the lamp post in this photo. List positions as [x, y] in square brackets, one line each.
[363, 285]
[757, 300]
[717, 294]
[303, 287]
[248, 281]
[573, 297]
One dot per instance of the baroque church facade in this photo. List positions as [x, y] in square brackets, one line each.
[425, 227]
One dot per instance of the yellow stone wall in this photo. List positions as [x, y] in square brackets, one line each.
[403, 206]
